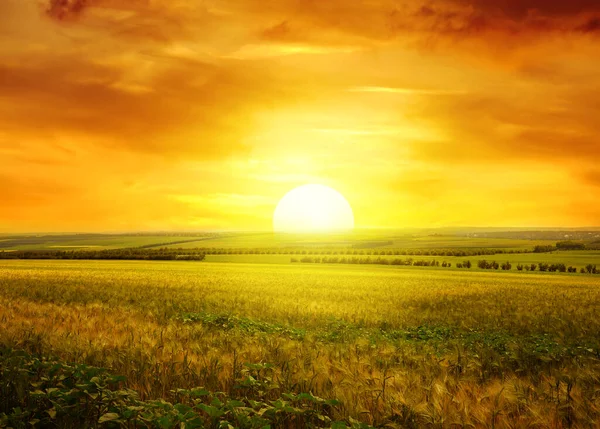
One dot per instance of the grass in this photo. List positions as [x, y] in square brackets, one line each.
[397, 347]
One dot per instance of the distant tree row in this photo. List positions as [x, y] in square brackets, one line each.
[561, 245]
[483, 264]
[544, 249]
[355, 252]
[570, 245]
[542, 266]
[493, 265]
[379, 261]
[120, 254]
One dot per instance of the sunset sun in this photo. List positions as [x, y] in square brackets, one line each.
[313, 208]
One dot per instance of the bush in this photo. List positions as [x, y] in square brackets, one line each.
[570, 245]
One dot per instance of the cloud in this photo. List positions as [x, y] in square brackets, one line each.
[406, 91]
[426, 22]
[66, 9]
[170, 110]
[591, 26]
[518, 9]
[591, 177]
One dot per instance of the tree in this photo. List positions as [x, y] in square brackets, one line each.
[570, 245]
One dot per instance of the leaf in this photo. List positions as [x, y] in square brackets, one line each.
[182, 408]
[165, 422]
[108, 417]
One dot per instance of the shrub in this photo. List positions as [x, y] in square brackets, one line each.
[570, 245]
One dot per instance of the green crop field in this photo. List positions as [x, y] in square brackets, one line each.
[359, 240]
[90, 241]
[296, 345]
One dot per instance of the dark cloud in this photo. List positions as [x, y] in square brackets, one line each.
[384, 20]
[66, 9]
[519, 9]
[327, 23]
[591, 26]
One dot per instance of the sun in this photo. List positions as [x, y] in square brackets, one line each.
[313, 208]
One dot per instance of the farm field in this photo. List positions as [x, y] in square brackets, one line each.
[89, 241]
[364, 240]
[414, 347]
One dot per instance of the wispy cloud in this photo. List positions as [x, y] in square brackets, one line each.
[406, 91]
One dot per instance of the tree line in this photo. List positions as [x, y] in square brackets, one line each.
[109, 254]
[355, 252]
[561, 245]
[482, 264]
[378, 261]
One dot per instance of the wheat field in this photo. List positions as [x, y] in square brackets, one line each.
[396, 348]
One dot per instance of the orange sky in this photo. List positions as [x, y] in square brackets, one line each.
[187, 115]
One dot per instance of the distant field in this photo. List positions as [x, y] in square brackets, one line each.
[360, 241]
[357, 240]
[412, 347]
[269, 239]
[86, 241]
[465, 242]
